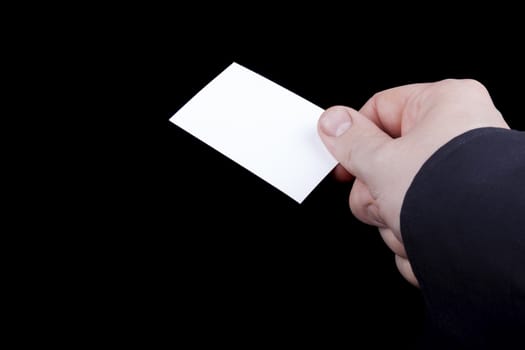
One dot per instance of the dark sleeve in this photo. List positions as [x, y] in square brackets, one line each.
[463, 225]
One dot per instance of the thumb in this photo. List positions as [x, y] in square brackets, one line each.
[355, 141]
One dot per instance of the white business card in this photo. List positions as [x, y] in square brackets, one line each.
[262, 126]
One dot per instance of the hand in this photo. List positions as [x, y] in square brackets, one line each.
[385, 143]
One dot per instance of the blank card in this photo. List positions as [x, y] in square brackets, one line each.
[262, 126]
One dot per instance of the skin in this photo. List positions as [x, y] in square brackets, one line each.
[385, 143]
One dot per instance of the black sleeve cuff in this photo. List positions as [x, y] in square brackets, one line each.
[463, 226]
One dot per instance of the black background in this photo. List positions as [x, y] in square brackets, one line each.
[202, 250]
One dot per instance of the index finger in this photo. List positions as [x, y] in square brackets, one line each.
[390, 109]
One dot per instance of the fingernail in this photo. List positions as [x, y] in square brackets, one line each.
[335, 122]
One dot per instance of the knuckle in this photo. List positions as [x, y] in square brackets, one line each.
[473, 84]
[358, 201]
[465, 86]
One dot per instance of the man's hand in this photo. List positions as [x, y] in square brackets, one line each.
[385, 143]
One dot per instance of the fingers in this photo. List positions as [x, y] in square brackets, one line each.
[341, 174]
[393, 242]
[388, 108]
[405, 269]
[363, 205]
[354, 141]
[402, 262]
